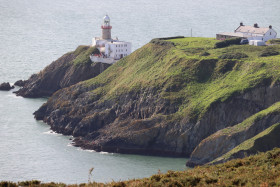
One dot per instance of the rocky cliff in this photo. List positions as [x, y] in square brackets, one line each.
[69, 69]
[167, 97]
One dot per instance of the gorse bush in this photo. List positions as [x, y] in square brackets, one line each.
[274, 41]
[268, 51]
[228, 42]
[205, 54]
[233, 56]
[161, 42]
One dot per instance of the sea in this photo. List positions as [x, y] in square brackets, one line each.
[33, 33]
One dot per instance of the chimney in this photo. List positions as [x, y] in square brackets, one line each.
[270, 26]
[241, 24]
[256, 25]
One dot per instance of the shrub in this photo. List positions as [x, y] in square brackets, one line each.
[7, 184]
[161, 42]
[95, 51]
[274, 41]
[228, 42]
[205, 54]
[169, 38]
[268, 51]
[233, 56]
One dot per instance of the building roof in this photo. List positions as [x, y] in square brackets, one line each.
[252, 29]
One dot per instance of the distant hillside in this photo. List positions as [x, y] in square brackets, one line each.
[168, 97]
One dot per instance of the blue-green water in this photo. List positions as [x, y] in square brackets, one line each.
[33, 33]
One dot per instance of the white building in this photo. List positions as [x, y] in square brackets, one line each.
[250, 32]
[111, 50]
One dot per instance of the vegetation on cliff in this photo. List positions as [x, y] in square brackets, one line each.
[166, 97]
[69, 69]
[260, 170]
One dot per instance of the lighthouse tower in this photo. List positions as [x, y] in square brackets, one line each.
[111, 50]
[106, 28]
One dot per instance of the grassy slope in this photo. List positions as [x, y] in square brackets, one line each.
[259, 170]
[184, 76]
[266, 139]
[275, 108]
[83, 54]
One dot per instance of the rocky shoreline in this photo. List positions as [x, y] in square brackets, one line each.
[156, 102]
[61, 73]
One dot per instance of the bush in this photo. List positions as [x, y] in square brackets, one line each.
[95, 51]
[7, 184]
[161, 42]
[205, 54]
[228, 42]
[274, 41]
[169, 38]
[268, 51]
[233, 56]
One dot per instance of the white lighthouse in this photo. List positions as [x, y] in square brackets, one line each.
[111, 50]
[106, 28]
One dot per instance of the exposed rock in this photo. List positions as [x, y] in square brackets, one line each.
[69, 69]
[160, 101]
[20, 83]
[129, 126]
[220, 143]
[6, 86]
[264, 141]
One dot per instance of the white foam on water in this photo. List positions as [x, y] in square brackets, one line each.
[50, 132]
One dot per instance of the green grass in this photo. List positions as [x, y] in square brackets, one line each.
[274, 41]
[274, 109]
[183, 75]
[260, 170]
[82, 54]
[260, 142]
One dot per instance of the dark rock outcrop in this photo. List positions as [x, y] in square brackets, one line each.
[128, 125]
[218, 143]
[20, 83]
[6, 86]
[69, 69]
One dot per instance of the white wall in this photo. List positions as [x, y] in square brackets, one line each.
[117, 50]
[271, 34]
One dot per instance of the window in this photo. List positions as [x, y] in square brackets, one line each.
[270, 33]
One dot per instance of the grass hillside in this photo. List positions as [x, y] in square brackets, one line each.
[266, 140]
[190, 72]
[259, 170]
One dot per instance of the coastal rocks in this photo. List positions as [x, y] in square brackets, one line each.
[222, 141]
[131, 124]
[69, 69]
[6, 86]
[158, 103]
[20, 83]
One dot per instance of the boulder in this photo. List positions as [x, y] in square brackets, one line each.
[6, 86]
[20, 83]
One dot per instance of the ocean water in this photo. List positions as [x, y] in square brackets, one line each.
[33, 33]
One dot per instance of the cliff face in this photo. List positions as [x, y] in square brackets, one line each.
[69, 69]
[226, 139]
[166, 99]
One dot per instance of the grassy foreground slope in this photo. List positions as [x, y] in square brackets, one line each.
[260, 170]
